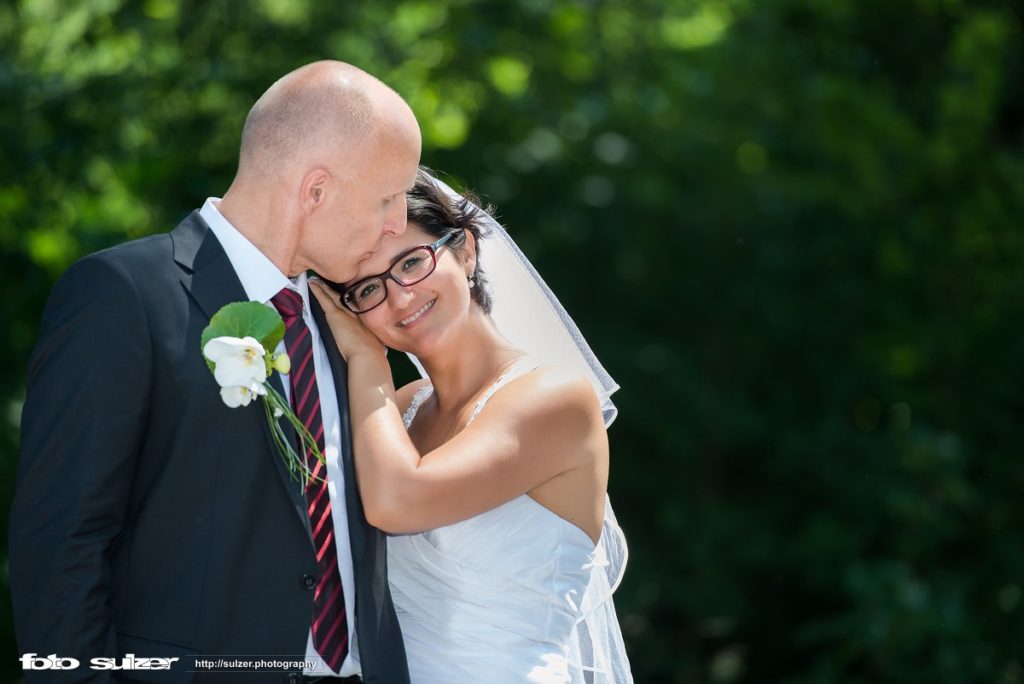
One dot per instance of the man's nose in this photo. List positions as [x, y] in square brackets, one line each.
[395, 221]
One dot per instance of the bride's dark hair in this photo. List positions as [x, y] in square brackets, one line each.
[434, 212]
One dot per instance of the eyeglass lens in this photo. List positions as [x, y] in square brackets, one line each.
[409, 270]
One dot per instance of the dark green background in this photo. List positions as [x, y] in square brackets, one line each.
[792, 229]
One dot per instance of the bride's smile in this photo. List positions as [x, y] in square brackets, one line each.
[406, 322]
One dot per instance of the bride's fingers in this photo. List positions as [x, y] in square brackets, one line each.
[325, 295]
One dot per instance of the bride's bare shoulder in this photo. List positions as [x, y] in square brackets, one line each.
[555, 416]
[552, 394]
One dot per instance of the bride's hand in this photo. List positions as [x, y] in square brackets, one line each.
[351, 336]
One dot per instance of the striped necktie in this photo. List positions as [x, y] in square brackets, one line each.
[330, 623]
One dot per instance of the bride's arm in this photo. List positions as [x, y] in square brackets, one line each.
[537, 427]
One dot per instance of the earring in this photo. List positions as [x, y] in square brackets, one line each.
[472, 282]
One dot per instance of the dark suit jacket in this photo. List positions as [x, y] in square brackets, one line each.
[148, 517]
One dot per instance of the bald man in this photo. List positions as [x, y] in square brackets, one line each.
[155, 531]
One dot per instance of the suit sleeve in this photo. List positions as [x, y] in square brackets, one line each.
[83, 422]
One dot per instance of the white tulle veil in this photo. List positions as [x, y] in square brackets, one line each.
[529, 315]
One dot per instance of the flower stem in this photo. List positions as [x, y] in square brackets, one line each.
[297, 467]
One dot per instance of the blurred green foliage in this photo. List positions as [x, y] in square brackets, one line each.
[791, 228]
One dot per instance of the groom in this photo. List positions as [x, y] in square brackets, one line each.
[151, 519]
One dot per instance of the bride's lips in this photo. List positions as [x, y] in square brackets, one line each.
[417, 315]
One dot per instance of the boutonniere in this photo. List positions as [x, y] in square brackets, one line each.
[238, 347]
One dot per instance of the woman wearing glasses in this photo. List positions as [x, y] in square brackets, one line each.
[491, 472]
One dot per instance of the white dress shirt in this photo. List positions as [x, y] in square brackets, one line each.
[262, 280]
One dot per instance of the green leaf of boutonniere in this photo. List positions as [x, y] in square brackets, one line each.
[245, 319]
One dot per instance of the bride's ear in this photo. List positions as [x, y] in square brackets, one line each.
[468, 253]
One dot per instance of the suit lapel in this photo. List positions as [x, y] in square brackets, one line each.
[357, 527]
[211, 281]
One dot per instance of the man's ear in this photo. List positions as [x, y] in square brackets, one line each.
[313, 192]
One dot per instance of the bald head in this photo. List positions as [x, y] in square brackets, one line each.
[317, 115]
[328, 153]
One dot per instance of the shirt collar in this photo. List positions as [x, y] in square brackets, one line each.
[260, 278]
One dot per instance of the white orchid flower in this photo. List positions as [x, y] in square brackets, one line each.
[241, 396]
[238, 362]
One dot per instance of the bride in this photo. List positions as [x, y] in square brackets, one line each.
[490, 472]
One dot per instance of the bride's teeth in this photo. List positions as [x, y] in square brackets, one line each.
[416, 315]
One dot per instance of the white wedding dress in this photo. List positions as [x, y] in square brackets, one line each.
[499, 598]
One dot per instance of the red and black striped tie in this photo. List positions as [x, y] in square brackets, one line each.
[330, 624]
